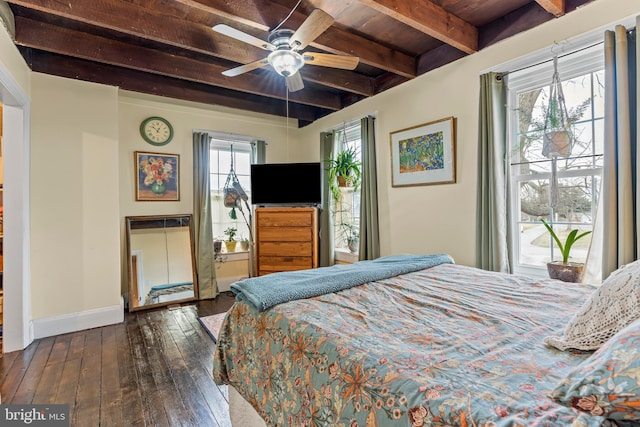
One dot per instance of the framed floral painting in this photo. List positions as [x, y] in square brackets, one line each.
[157, 176]
[424, 154]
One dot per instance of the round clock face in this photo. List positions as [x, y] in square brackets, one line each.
[156, 131]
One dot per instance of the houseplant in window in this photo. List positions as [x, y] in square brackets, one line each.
[565, 270]
[353, 238]
[344, 171]
[230, 242]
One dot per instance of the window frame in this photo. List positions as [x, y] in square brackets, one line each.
[582, 61]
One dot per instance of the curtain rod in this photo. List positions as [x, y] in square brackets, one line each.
[224, 136]
[506, 73]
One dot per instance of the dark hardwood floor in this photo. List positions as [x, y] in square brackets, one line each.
[154, 369]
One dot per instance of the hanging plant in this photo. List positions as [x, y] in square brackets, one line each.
[558, 138]
[344, 171]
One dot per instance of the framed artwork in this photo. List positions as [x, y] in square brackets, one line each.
[157, 176]
[424, 154]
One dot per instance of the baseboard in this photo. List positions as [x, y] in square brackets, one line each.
[56, 325]
[224, 283]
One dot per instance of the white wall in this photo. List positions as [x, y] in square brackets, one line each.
[75, 202]
[441, 218]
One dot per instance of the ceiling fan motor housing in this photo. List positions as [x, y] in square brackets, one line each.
[280, 38]
[285, 60]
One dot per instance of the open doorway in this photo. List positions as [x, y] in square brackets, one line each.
[15, 148]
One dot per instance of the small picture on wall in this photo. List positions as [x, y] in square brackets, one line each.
[157, 176]
[424, 154]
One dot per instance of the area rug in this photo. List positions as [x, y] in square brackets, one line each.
[212, 324]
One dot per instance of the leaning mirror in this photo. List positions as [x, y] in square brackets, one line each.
[160, 254]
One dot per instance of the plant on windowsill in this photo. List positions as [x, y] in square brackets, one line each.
[244, 243]
[230, 243]
[565, 270]
[351, 235]
[344, 171]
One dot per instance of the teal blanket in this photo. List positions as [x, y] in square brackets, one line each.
[266, 291]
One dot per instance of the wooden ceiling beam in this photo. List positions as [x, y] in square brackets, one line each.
[138, 81]
[431, 19]
[339, 79]
[334, 40]
[554, 7]
[76, 44]
[129, 19]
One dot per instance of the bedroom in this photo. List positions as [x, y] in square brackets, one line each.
[90, 130]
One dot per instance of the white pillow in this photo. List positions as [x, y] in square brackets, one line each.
[614, 305]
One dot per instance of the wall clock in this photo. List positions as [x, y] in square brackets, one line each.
[156, 131]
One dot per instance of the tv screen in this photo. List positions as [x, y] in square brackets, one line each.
[286, 183]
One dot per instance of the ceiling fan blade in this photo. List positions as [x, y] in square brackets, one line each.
[243, 37]
[294, 83]
[245, 68]
[329, 60]
[311, 28]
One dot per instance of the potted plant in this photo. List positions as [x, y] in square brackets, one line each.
[244, 243]
[217, 245]
[344, 171]
[230, 243]
[565, 270]
[353, 239]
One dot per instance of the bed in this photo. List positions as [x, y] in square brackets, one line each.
[169, 292]
[447, 345]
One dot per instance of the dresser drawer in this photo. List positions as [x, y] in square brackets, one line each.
[285, 219]
[285, 234]
[272, 264]
[290, 249]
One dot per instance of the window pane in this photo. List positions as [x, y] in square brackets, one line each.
[243, 162]
[534, 244]
[220, 167]
[534, 201]
[574, 200]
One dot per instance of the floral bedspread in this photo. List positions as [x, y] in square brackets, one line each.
[446, 346]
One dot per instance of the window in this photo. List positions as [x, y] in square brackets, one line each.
[222, 151]
[577, 182]
[347, 208]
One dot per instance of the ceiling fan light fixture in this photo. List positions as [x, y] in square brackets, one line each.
[285, 62]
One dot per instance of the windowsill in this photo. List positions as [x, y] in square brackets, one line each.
[344, 255]
[232, 256]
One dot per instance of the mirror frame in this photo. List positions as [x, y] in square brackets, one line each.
[128, 222]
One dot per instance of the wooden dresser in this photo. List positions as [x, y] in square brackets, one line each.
[286, 239]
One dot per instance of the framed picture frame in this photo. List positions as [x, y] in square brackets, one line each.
[424, 154]
[157, 176]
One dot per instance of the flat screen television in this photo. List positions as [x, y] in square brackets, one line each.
[286, 184]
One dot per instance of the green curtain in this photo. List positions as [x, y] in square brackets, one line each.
[258, 157]
[620, 180]
[327, 253]
[203, 229]
[258, 152]
[369, 225]
[492, 205]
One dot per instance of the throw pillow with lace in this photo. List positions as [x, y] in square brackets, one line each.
[614, 305]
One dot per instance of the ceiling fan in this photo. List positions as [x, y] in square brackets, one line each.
[285, 46]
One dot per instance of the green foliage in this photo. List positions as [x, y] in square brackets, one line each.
[230, 232]
[565, 248]
[345, 165]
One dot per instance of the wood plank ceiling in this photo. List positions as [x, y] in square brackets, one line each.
[167, 47]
